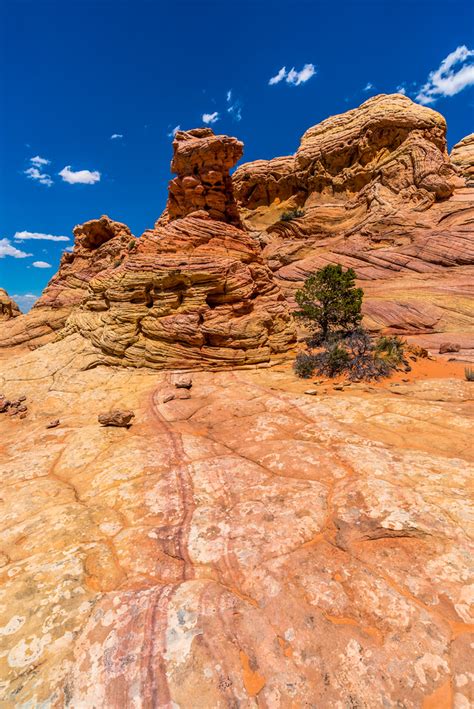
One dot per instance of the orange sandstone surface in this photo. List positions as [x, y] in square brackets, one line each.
[250, 545]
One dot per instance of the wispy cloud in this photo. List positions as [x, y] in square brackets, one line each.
[116, 136]
[33, 173]
[7, 249]
[81, 177]
[294, 77]
[234, 106]
[25, 235]
[368, 87]
[41, 264]
[278, 77]
[401, 89]
[25, 300]
[173, 131]
[38, 161]
[455, 73]
[210, 117]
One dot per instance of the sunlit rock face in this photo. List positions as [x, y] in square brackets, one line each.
[8, 308]
[389, 141]
[379, 194]
[194, 293]
[202, 162]
[98, 244]
[462, 156]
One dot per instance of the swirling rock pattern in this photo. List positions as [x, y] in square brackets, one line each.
[98, 244]
[388, 140]
[379, 194]
[249, 546]
[8, 308]
[195, 292]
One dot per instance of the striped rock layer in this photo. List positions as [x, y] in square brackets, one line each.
[380, 194]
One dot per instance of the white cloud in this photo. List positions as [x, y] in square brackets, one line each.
[210, 117]
[300, 77]
[173, 132]
[369, 86]
[294, 77]
[7, 249]
[455, 73]
[25, 300]
[24, 235]
[116, 136]
[401, 89]
[278, 77]
[229, 96]
[34, 174]
[38, 162]
[41, 264]
[81, 177]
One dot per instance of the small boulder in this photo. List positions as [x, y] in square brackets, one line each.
[449, 347]
[117, 417]
[53, 423]
[311, 392]
[184, 382]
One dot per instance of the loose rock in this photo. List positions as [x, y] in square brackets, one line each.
[117, 417]
[449, 347]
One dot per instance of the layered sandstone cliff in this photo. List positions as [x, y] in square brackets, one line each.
[378, 193]
[98, 244]
[195, 290]
[194, 293]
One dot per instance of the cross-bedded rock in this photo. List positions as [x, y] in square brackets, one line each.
[202, 162]
[98, 244]
[377, 192]
[389, 141]
[194, 293]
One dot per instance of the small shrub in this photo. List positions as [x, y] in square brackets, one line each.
[391, 350]
[132, 244]
[117, 262]
[332, 360]
[291, 214]
[469, 374]
[364, 360]
[304, 365]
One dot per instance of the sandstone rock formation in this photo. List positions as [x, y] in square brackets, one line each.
[8, 308]
[379, 194]
[98, 244]
[250, 546]
[462, 156]
[202, 162]
[194, 293]
[388, 141]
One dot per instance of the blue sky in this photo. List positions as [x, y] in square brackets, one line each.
[76, 73]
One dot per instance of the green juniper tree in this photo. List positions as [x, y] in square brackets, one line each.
[329, 301]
